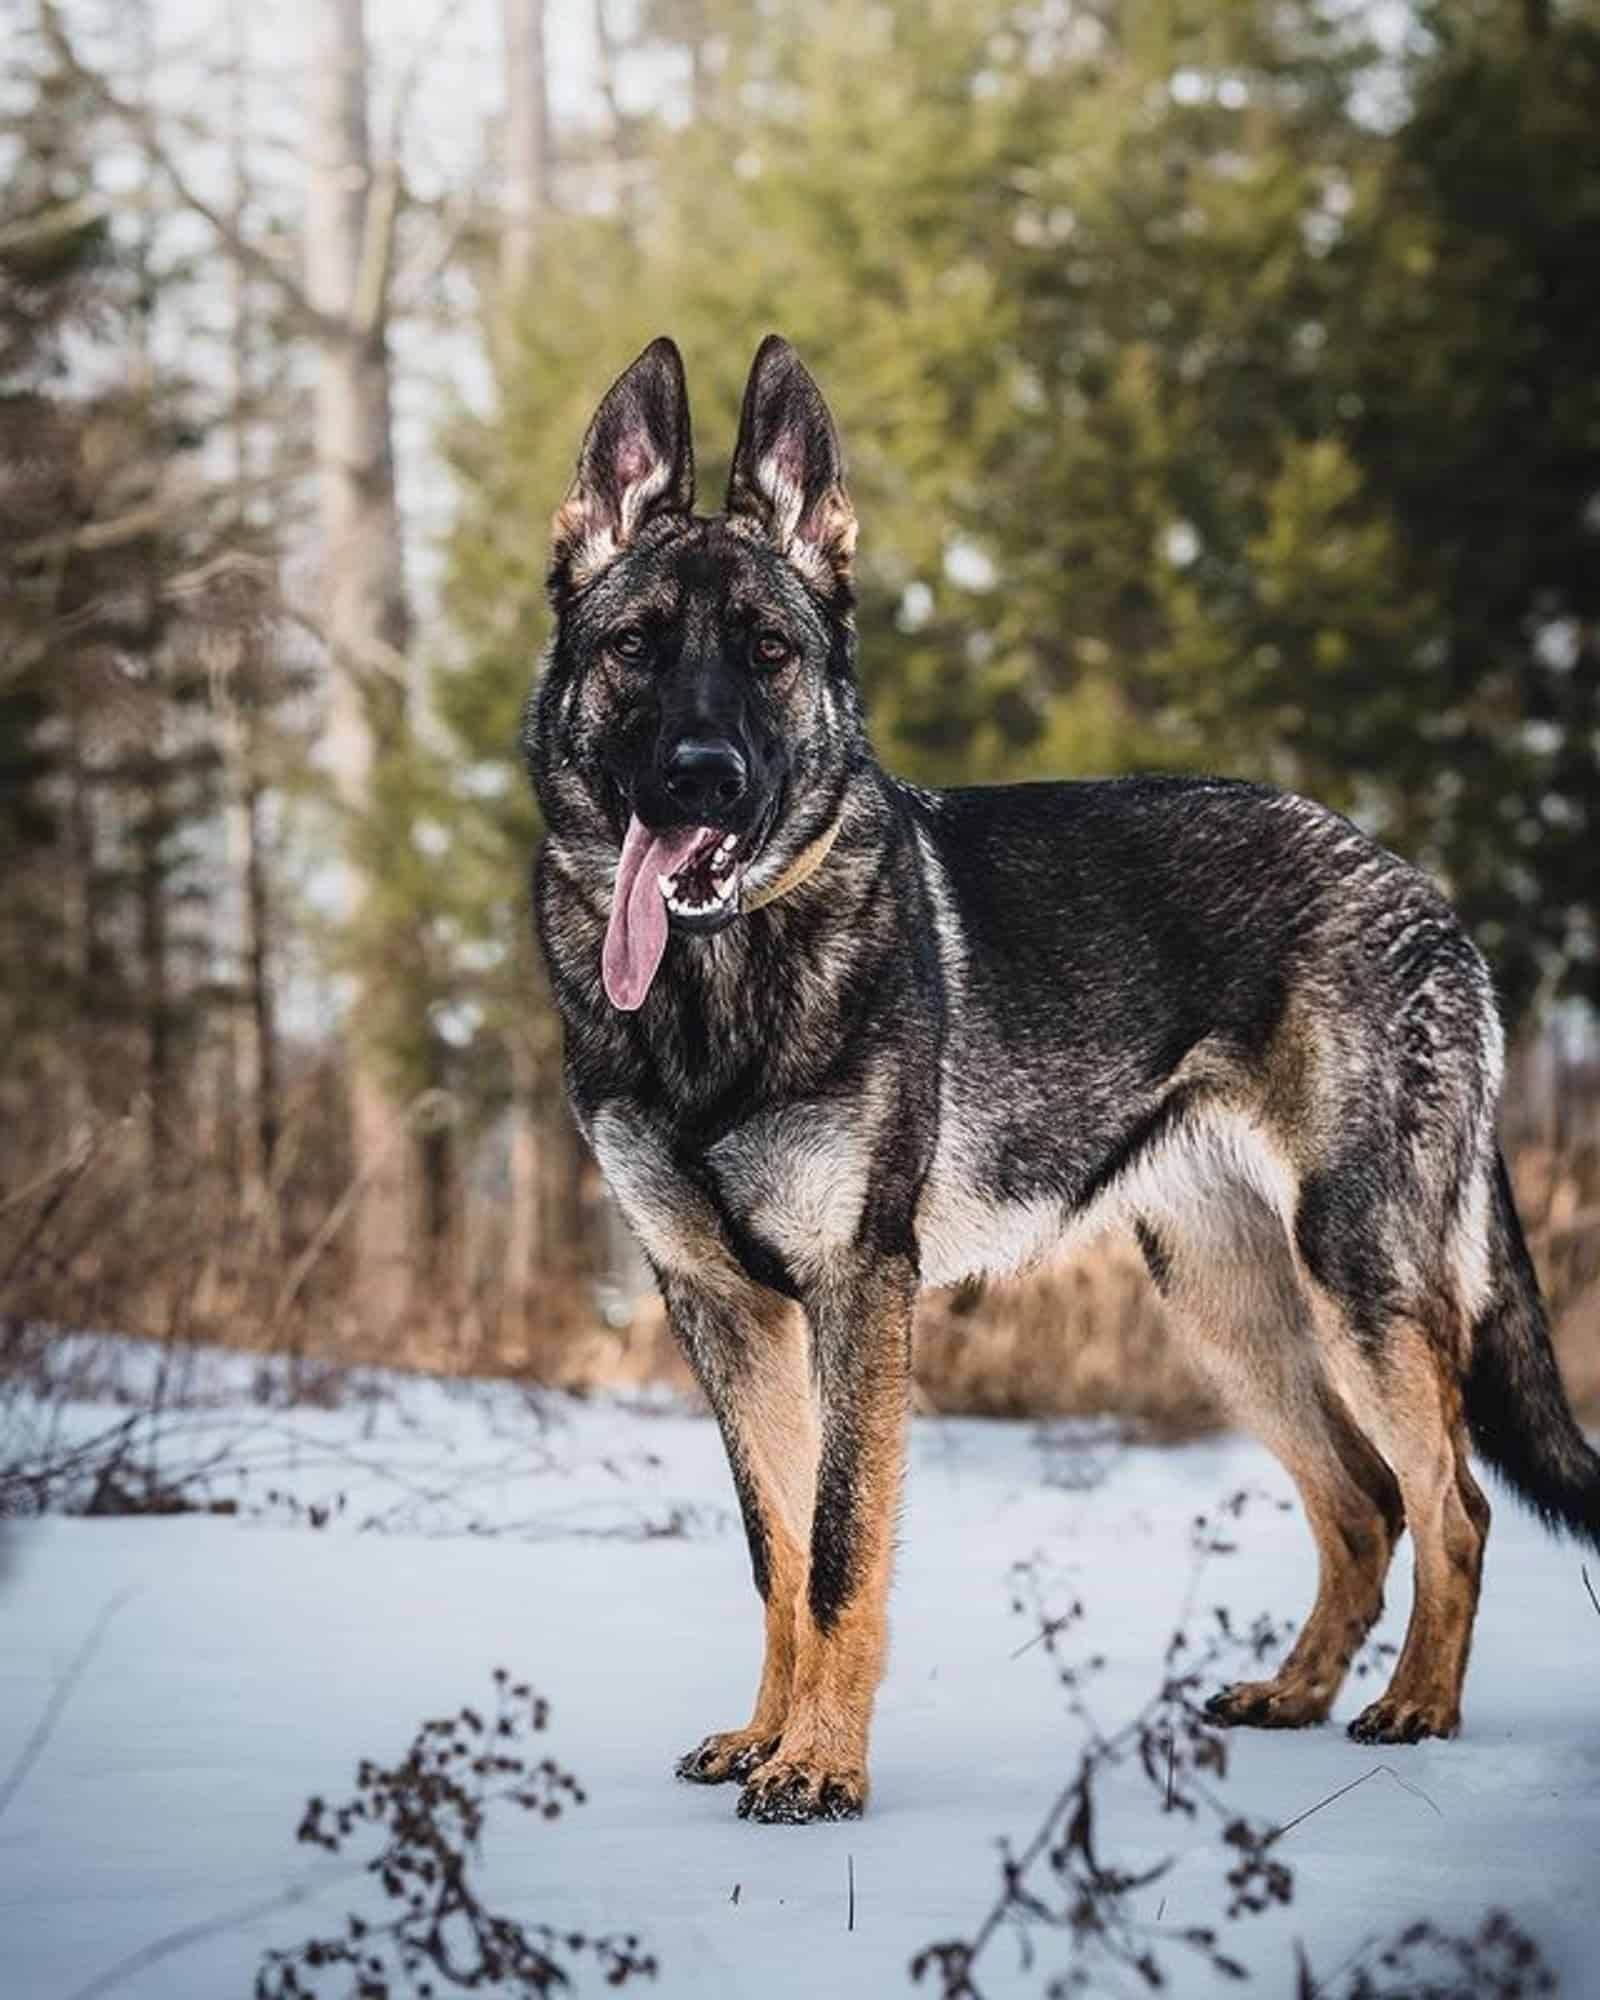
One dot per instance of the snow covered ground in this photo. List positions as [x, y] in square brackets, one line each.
[250, 1659]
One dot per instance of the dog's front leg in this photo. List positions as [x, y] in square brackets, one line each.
[748, 1348]
[861, 1327]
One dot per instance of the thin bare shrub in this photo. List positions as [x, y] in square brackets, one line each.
[1076, 1913]
[427, 1816]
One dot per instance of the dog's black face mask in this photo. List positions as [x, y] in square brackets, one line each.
[699, 701]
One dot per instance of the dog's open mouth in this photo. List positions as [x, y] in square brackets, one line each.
[688, 874]
[706, 882]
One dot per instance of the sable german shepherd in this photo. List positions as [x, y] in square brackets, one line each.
[834, 1037]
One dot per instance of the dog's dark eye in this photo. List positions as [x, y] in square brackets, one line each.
[771, 648]
[628, 644]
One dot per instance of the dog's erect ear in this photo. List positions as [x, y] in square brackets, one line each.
[637, 461]
[788, 470]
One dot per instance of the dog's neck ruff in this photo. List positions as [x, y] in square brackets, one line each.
[800, 869]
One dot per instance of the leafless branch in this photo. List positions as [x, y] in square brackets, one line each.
[380, 221]
[139, 121]
[379, 661]
[411, 76]
[458, 216]
[88, 536]
[63, 218]
[387, 196]
[425, 1107]
[606, 46]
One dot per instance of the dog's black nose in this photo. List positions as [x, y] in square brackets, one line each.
[705, 772]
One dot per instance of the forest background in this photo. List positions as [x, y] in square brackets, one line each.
[1219, 384]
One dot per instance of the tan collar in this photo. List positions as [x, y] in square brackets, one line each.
[800, 869]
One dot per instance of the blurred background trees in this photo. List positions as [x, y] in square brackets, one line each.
[1218, 382]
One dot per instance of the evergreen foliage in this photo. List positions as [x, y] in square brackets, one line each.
[1219, 391]
[113, 608]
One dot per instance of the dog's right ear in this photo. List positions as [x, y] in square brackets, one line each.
[787, 475]
[637, 461]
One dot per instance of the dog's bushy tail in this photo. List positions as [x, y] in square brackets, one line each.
[1517, 1409]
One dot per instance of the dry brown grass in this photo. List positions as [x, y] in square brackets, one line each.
[1089, 1335]
[88, 1239]
[1558, 1191]
[1084, 1336]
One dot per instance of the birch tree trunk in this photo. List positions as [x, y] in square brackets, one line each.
[153, 815]
[527, 153]
[549, 1235]
[537, 1155]
[349, 235]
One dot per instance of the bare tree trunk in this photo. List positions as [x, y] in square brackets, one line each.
[605, 43]
[258, 936]
[349, 230]
[150, 835]
[253, 1037]
[522, 1199]
[538, 1219]
[564, 1165]
[154, 814]
[527, 149]
[85, 945]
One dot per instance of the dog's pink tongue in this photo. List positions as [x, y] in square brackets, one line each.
[637, 933]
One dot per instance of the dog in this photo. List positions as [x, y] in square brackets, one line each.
[834, 1037]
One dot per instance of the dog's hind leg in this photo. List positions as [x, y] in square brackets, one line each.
[749, 1350]
[1395, 1292]
[1230, 1277]
[860, 1312]
[1407, 1388]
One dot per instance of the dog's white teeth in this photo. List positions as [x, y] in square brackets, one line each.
[683, 906]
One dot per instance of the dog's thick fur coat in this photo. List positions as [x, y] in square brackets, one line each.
[909, 1036]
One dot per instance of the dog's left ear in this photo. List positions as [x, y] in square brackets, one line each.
[637, 461]
[788, 470]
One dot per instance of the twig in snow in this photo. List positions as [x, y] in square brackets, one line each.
[1588, 1586]
[44, 1729]
[850, 1873]
[192, 1934]
[1049, 1629]
[1378, 1770]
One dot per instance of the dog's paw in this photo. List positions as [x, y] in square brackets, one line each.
[1398, 1718]
[788, 1793]
[732, 1753]
[1269, 1705]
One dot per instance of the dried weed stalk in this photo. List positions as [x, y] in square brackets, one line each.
[429, 1813]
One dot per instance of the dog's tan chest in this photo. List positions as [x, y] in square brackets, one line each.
[962, 1233]
[798, 1179]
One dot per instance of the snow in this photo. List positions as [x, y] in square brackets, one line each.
[248, 1661]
